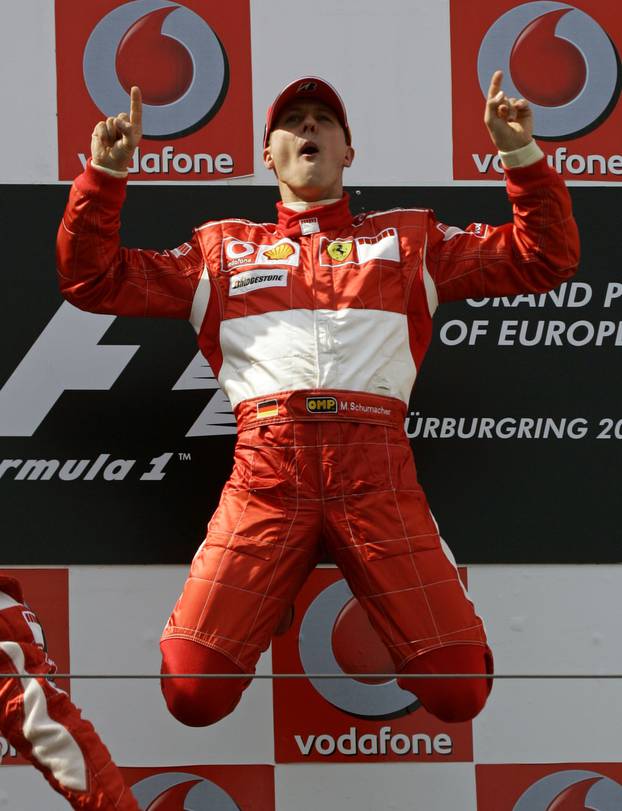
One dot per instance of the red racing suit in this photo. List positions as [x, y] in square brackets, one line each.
[41, 721]
[316, 327]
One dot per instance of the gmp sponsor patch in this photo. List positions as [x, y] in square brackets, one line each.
[322, 405]
[256, 280]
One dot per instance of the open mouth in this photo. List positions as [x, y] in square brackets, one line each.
[309, 148]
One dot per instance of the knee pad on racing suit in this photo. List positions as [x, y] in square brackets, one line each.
[198, 702]
[43, 724]
[451, 700]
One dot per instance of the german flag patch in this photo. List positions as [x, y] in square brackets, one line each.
[267, 408]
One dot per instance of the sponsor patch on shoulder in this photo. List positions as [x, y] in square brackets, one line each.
[182, 250]
[250, 280]
[478, 229]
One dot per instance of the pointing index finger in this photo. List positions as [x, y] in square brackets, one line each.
[136, 107]
[495, 84]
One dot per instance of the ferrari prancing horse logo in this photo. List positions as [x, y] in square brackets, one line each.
[339, 251]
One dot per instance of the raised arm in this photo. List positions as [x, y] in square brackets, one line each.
[95, 273]
[539, 249]
[114, 140]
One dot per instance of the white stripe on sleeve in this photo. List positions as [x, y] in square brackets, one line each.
[200, 301]
[53, 746]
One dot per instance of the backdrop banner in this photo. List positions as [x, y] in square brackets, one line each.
[116, 441]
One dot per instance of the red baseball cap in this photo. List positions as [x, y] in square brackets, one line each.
[308, 87]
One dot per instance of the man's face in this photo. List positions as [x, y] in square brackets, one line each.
[307, 150]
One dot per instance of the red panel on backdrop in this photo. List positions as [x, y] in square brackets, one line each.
[46, 591]
[563, 59]
[549, 787]
[230, 788]
[193, 62]
[348, 720]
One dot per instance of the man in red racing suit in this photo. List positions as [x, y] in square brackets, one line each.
[316, 327]
[41, 721]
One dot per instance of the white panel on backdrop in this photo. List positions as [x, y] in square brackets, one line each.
[25, 789]
[28, 92]
[376, 787]
[390, 61]
[550, 619]
[540, 619]
[117, 615]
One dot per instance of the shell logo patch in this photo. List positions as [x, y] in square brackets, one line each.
[282, 251]
[339, 251]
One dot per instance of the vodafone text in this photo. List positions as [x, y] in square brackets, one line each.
[561, 161]
[382, 743]
[169, 162]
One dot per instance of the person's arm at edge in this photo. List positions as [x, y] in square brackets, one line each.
[95, 272]
[534, 253]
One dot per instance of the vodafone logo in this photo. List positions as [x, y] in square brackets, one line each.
[572, 790]
[170, 52]
[558, 58]
[335, 637]
[236, 249]
[181, 791]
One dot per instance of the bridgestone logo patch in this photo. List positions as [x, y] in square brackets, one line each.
[255, 280]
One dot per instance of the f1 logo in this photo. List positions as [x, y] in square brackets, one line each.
[67, 356]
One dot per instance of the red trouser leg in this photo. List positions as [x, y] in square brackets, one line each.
[198, 702]
[451, 700]
[45, 727]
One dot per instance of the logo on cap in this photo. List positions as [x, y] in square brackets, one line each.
[306, 87]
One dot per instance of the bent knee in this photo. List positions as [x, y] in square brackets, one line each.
[452, 700]
[201, 702]
[457, 703]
